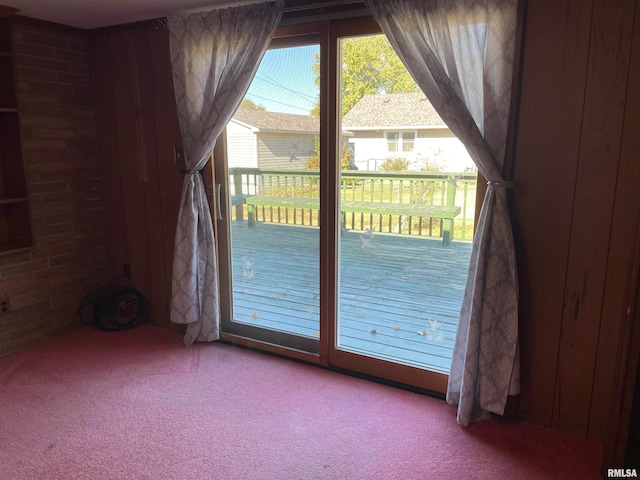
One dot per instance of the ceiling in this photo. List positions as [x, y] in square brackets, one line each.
[102, 13]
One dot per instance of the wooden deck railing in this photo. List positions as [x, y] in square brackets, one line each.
[411, 188]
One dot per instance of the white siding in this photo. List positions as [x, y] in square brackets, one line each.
[435, 146]
[241, 146]
[370, 149]
[282, 150]
[241, 151]
[442, 147]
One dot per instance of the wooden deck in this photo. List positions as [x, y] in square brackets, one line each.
[399, 297]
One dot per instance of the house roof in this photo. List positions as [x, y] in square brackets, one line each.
[264, 121]
[393, 110]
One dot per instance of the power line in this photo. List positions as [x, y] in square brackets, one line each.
[281, 103]
[272, 81]
[273, 94]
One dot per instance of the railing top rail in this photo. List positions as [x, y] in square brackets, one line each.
[408, 175]
[354, 174]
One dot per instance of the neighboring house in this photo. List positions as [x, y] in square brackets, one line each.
[261, 139]
[403, 125]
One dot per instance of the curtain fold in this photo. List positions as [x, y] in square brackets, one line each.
[460, 52]
[214, 57]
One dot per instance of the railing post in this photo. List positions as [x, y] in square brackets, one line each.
[237, 190]
[447, 224]
[463, 222]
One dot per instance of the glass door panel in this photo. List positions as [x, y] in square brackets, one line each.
[407, 201]
[373, 281]
[273, 195]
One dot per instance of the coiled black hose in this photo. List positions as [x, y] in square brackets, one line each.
[113, 308]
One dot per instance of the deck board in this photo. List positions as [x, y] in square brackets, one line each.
[391, 284]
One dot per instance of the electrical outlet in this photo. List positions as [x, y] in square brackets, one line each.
[5, 309]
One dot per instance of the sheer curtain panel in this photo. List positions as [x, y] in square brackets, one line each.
[214, 57]
[460, 52]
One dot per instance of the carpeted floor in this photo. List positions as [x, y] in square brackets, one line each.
[139, 405]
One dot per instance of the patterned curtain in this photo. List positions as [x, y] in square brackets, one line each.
[460, 52]
[214, 57]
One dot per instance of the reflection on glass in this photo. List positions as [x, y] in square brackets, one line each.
[273, 161]
[407, 198]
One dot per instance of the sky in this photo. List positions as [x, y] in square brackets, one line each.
[285, 81]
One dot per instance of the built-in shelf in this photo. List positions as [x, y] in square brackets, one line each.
[9, 249]
[5, 201]
[15, 219]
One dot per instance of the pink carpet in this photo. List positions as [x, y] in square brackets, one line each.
[139, 405]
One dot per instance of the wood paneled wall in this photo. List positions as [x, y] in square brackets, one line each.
[575, 211]
[577, 164]
[138, 128]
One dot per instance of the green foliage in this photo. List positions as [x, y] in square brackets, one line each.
[369, 66]
[315, 111]
[345, 156]
[394, 164]
[251, 105]
[432, 160]
[314, 162]
[314, 159]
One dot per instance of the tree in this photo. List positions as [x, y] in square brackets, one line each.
[251, 105]
[369, 66]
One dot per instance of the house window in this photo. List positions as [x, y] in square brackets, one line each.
[407, 141]
[392, 141]
[400, 141]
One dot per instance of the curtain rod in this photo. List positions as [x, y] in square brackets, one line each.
[162, 22]
[317, 5]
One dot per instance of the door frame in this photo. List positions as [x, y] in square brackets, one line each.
[284, 36]
[329, 33]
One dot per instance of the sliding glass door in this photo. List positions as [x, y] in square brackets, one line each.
[348, 209]
[272, 161]
[407, 195]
